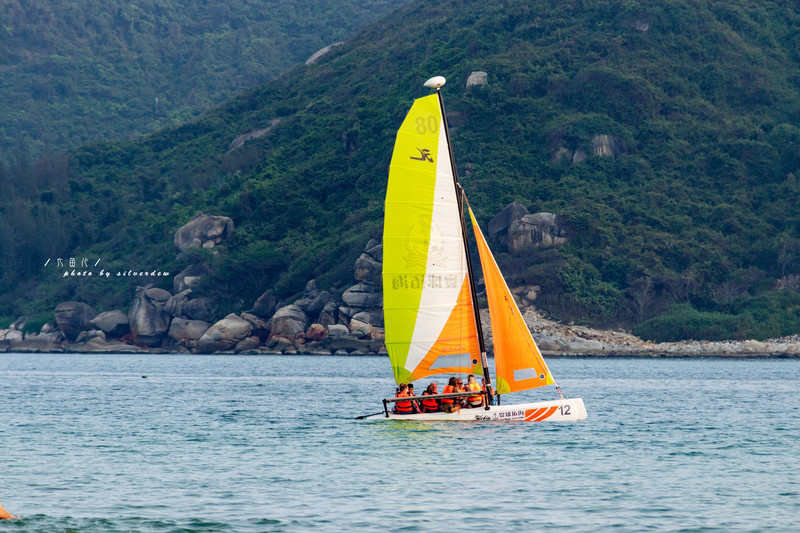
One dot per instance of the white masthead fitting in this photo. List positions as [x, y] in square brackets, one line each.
[435, 82]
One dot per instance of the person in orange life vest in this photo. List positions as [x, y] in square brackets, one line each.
[472, 385]
[405, 407]
[450, 404]
[431, 405]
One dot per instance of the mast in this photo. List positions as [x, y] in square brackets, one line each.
[436, 83]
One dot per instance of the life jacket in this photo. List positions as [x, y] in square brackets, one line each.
[447, 390]
[404, 407]
[473, 387]
[430, 403]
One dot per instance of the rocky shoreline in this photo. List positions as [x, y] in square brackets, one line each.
[317, 323]
[554, 339]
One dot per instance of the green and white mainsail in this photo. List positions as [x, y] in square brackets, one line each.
[429, 317]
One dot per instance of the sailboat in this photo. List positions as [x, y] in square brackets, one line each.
[431, 310]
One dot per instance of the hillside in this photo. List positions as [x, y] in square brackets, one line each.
[683, 232]
[75, 73]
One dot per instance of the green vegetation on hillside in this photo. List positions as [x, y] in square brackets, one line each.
[696, 216]
[72, 73]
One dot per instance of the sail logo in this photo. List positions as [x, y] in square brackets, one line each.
[422, 252]
[429, 281]
[514, 414]
[437, 252]
[424, 155]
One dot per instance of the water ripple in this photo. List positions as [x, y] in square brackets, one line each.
[228, 443]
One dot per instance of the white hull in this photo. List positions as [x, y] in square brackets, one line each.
[553, 411]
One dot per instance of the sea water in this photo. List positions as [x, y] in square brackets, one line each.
[270, 443]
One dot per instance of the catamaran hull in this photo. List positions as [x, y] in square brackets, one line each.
[571, 410]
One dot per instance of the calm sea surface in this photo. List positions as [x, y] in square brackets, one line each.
[268, 443]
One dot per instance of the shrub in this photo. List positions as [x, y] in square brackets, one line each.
[684, 322]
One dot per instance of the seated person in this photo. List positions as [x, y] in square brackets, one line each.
[431, 405]
[450, 404]
[472, 385]
[404, 407]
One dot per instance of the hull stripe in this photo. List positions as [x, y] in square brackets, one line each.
[533, 413]
[537, 415]
[547, 414]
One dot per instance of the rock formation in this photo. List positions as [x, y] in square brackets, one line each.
[189, 276]
[224, 335]
[523, 232]
[182, 329]
[313, 301]
[321, 52]
[601, 145]
[148, 319]
[607, 145]
[477, 79]
[239, 141]
[288, 321]
[113, 323]
[369, 264]
[540, 230]
[501, 222]
[181, 305]
[74, 317]
[265, 305]
[363, 295]
[204, 231]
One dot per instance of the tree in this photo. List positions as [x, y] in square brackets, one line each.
[680, 286]
[788, 248]
[641, 296]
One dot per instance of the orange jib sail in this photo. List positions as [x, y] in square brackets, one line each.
[518, 362]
